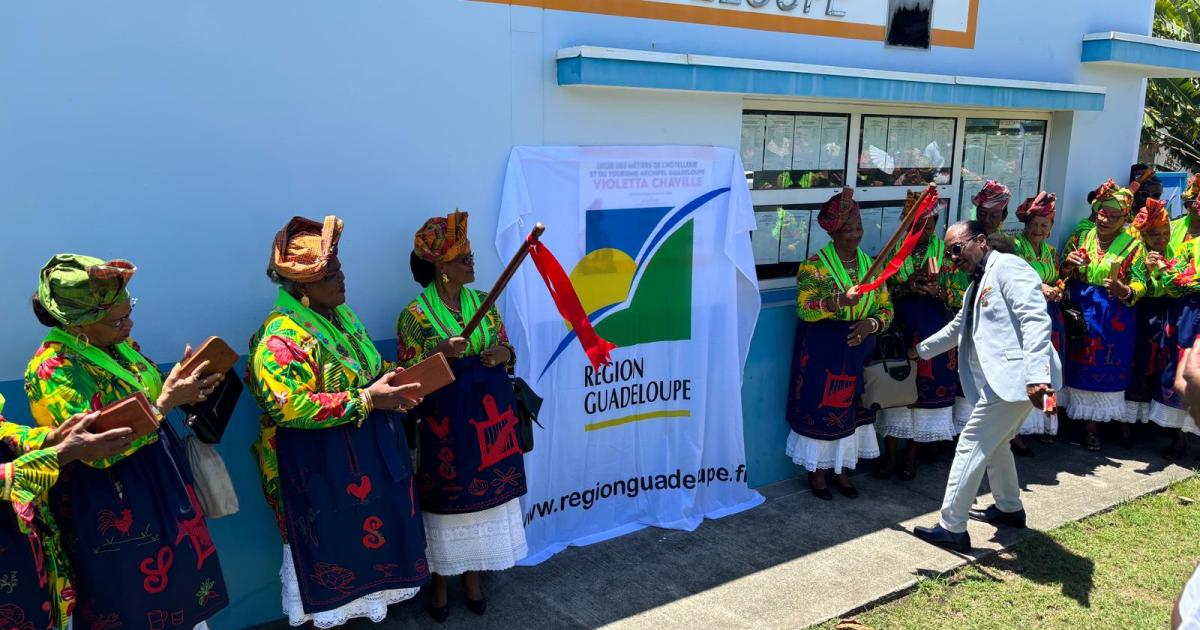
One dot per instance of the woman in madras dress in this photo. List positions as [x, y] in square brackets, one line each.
[1105, 278]
[1037, 214]
[835, 335]
[472, 471]
[1186, 228]
[1153, 227]
[131, 524]
[921, 310]
[331, 451]
[1179, 279]
[35, 583]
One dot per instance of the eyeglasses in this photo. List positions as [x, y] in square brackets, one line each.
[465, 259]
[120, 323]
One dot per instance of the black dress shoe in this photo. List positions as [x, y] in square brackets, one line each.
[439, 613]
[1021, 451]
[848, 491]
[937, 535]
[824, 494]
[477, 606]
[994, 516]
[906, 475]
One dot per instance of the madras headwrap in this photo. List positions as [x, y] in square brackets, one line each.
[303, 248]
[1110, 196]
[1040, 206]
[442, 239]
[78, 290]
[992, 195]
[837, 210]
[1153, 215]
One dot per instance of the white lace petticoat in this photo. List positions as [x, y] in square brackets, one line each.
[1096, 406]
[373, 606]
[491, 540]
[921, 425]
[840, 454]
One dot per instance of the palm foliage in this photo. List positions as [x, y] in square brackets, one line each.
[1172, 120]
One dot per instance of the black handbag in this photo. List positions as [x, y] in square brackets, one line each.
[1073, 322]
[528, 406]
[208, 419]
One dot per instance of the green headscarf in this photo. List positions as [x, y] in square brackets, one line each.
[1113, 197]
[78, 290]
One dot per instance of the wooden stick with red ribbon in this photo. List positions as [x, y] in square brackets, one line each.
[561, 290]
[910, 229]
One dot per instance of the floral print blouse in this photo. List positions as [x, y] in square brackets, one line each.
[417, 338]
[816, 290]
[60, 384]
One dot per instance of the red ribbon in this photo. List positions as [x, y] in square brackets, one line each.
[906, 246]
[568, 304]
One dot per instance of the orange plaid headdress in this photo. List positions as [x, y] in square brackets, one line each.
[303, 248]
[442, 239]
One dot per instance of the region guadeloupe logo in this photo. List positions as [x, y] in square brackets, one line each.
[635, 283]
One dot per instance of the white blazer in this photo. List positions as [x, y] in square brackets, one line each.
[1011, 333]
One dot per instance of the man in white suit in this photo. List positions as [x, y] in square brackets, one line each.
[1005, 363]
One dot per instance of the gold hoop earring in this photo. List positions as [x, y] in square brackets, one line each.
[304, 300]
[445, 279]
[82, 337]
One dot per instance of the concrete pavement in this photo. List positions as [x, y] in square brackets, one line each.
[794, 561]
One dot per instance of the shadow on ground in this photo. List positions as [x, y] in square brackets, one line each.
[603, 583]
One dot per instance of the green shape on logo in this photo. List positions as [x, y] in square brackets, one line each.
[661, 308]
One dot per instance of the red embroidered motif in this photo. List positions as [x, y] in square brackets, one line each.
[107, 519]
[440, 429]
[839, 390]
[1117, 325]
[155, 569]
[952, 359]
[13, 616]
[505, 479]
[386, 569]
[361, 489]
[478, 487]
[373, 539]
[925, 369]
[332, 577]
[196, 531]
[420, 567]
[1087, 354]
[446, 468]
[497, 435]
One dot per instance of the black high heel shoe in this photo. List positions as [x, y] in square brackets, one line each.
[477, 606]
[848, 491]
[824, 494]
[439, 614]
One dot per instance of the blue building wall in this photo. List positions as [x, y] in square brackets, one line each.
[182, 135]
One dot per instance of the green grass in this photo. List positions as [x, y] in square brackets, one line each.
[1122, 569]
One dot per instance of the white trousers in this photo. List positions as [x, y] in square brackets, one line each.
[983, 447]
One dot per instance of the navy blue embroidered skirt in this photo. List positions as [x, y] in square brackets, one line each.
[826, 385]
[351, 511]
[919, 317]
[138, 544]
[24, 585]
[1149, 360]
[1182, 330]
[1103, 360]
[470, 458]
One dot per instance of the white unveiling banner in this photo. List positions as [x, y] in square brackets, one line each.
[657, 244]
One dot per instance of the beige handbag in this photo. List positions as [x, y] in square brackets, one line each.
[889, 383]
[213, 486]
